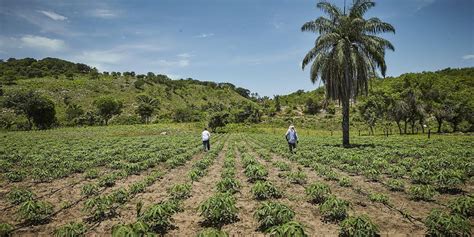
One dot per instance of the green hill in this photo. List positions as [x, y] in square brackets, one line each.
[67, 84]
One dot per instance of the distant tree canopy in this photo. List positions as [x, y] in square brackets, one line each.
[38, 110]
[107, 107]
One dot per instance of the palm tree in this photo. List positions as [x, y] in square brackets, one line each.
[346, 53]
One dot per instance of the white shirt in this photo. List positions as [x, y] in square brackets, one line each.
[206, 135]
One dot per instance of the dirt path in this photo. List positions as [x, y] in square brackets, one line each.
[389, 221]
[247, 225]
[188, 222]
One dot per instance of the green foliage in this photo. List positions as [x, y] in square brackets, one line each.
[345, 182]
[100, 207]
[379, 197]
[38, 109]
[396, 185]
[318, 192]
[297, 177]
[263, 190]
[463, 205]
[282, 166]
[159, 216]
[334, 209]
[256, 172]
[422, 192]
[180, 191]
[439, 223]
[20, 195]
[107, 107]
[291, 228]
[449, 179]
[358, 226]
[5, 229]
[372, 174]
[15, 176]
[138, 229]
[107, 180]
[91, 173]
[219, 120]
[35, 211]
[212, 232]
[90, 190]
[72, 229]
[230, 185]
[219, 209]
[271, 214]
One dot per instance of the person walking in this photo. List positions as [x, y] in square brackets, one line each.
[291, 137]
[206, 136]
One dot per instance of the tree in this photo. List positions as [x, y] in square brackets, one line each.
[38, 110]
[108, 107]
[146, 107]
[218, 120]
[73, 112]
[346, 53]
[312, 107]
[277, 103]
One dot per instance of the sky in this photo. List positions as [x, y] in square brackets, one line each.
[256, 44]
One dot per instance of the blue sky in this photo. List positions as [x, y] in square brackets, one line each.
[255, 44]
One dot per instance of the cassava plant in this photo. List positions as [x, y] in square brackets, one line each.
[271, 214]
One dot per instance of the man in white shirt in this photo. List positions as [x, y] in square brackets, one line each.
[206, 135]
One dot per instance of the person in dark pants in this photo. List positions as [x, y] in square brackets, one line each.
[206, 139]
[291, 137]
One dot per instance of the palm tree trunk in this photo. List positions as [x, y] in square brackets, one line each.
[345, 122]
[399, 127]
[440, 123]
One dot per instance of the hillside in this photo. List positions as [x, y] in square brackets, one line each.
[67, 83]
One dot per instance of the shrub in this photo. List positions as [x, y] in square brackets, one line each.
[71, 229]
[35, 211]
[298, 177]
[360, 226]
[5, 229]
[120, 196]
[463, 206]
[334, 209]
[180, 191]
[282, 166]
[230, 185]
[265, 190]
[15, 176]
[421, 176]
[100, 207]
[107, 180]
[158, 216]
[345, 182]
[422, 192]
[256, 172]
[396, 185]
[318, 192]
[19, 195]
[291, 228]
[219, 209]
[379, 197]
[372, 174]
[138, 228]
[271, 214]
[448, 179]
[439, 223]
[212, 232]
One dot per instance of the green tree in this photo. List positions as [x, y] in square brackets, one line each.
[312, 107]
[73, 112]
[346, 53]
[107, 107]
[38, 110]
[218, 120]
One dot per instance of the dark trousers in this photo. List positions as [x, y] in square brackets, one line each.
[292, 146]
[206, 145]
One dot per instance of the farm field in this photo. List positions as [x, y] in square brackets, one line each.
[125, 180]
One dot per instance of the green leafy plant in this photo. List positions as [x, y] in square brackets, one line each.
[35, 211]
[219, 209]
[282, 166]
[138, 228]
[71, 229]
[230, 185]
[180, 191]
[5, 229]
[463, 205]
[334, 209]
[439, 223]
[372, 174]
[291, 228]
[256, 172]
[422, 192]
[271, 214]
[89, 190]
[107, 180]
[318, 192]
[358, 226]
[136, 188]
[15, 176]
[212, 232]
[159, 216]
[19, 195]
[92, 173]
[449, 179]
[379, 197]
[345, 182]
[100, 207]
[396, 185]
[297, 177]
[262, 190]
[120, 196]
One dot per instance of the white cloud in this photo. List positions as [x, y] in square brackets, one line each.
[204, 35]
[467, 57]
[53, 15]
[172, 63]
[184, 55]
[42, 43]
[104, 13]
[423, 3]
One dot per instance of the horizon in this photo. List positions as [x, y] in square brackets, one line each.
[265, 46]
